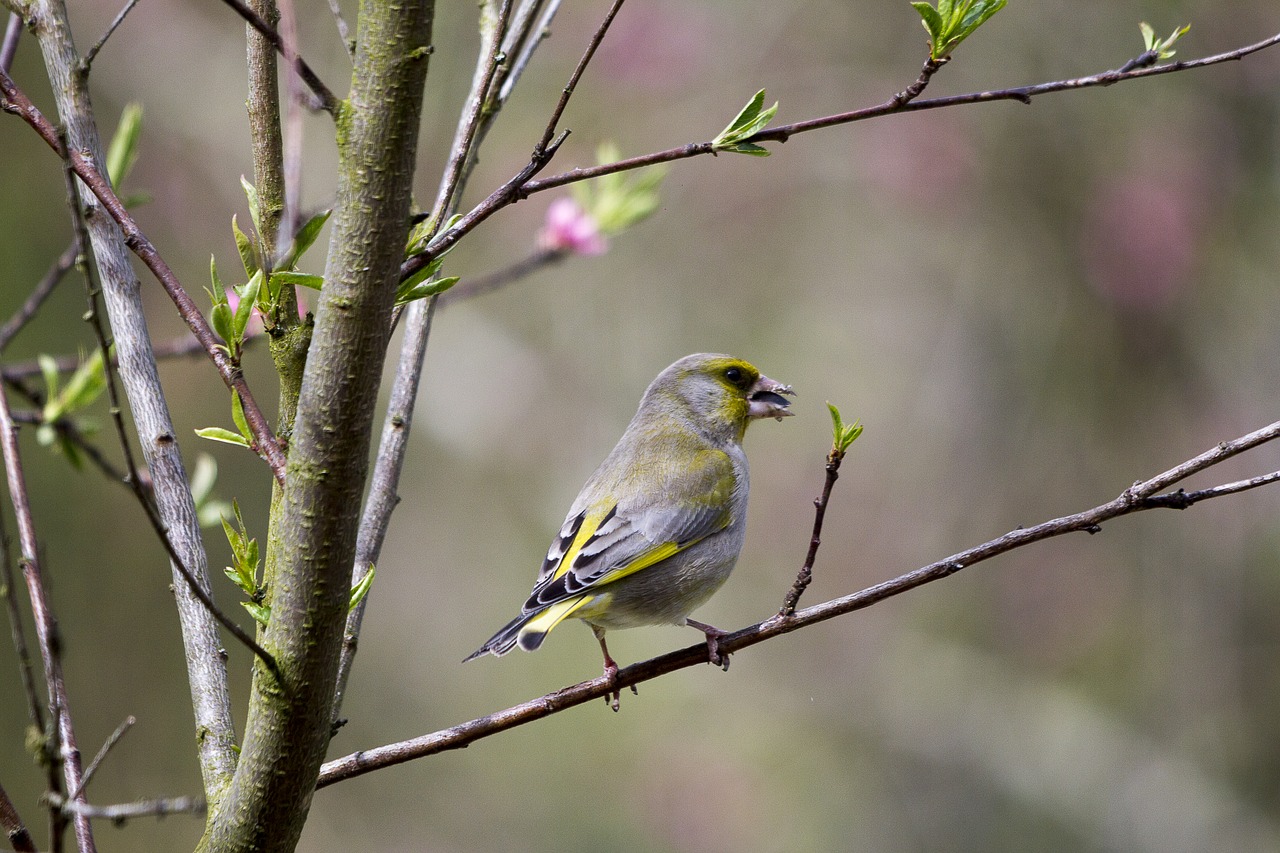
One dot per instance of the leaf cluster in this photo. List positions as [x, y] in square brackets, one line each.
[953, 21]
[752, 119]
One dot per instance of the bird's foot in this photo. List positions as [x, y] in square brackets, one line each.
[713, 634]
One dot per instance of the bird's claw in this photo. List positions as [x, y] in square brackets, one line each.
[713, 634]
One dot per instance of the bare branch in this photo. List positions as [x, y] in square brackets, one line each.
[38, 295]
[15, 831]
[135, 481]
[344, 32]
[522, 40]
[124, 811]
[782, 133]
[267, 446]
[462, 151]
[805, 576]
[107, 746]
[46, 626]
[567, 92]
[10, 590]
[498, 279]
[92, 53]
[325, 99]
[9, 45]
[1137, 498]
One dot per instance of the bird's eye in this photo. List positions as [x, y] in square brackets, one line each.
[734, 375]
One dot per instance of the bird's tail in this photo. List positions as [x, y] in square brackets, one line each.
[528, 630]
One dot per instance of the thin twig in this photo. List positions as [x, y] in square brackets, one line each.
[67, 429]
[265, 443]
[15, 831]
[543, 152]
[292, 152]
[121, 730]
[325, 99]
[38, 295]
[484, 284]
[344, 32]
[87, 62]
[781, 133]
[46, 625]
[133, 478]
[35, 714]
[185, 346]
[1137, 498]
[9, 46]
[468, 125]
[805, 576]
[523, 40]
[382, 497]
[124, 811]
[913, 91]
[567, 92]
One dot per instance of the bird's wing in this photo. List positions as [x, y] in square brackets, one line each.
[607, 540]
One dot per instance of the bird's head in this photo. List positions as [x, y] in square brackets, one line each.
[719, 393]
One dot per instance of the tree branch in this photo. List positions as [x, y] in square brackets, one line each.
[122, 812]
[38, 295]
[15, 831]
[393, 443]
[92, 53]
[14, 101]
[111, 237]
[325, 99]
[782, 133]
[142, 490]
[1139, 497]
[288, 726]
[46, 625]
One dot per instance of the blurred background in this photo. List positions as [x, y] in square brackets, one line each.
[1029, 307]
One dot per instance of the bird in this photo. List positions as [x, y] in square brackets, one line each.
[656, 530]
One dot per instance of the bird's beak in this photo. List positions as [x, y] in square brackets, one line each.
[765, 399]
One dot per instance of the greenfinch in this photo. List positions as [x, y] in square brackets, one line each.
[657, 528]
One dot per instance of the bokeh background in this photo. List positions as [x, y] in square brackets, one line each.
[1029, 307]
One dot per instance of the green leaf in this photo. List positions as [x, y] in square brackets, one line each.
[251, 193]
[248, 294]
[85, 386]
[237, 415]
[244, 245]
[222, 319]
[842, 436]
[745, 117]
[203, 477]
[260, 612]
[209, 510]
[123, 152]
[747, 123]
[931, 19]
[223, 435]
[747, 148]
[49, 370]
[1163, 48]
[952, 21]
[361, 588]
[424, 289]
[304, 239]
[219, 293]
[297, 279]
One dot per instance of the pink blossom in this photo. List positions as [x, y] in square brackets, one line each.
[570, 228]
